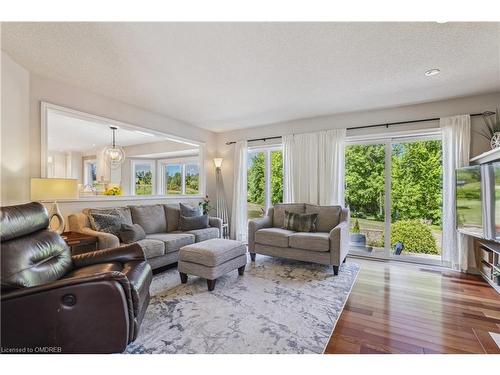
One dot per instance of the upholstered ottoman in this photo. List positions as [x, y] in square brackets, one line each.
[211, 259]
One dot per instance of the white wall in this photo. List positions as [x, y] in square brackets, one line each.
[15, 148]
[22, 93]
[472, 104]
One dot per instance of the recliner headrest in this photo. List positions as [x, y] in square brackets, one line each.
[23, 219]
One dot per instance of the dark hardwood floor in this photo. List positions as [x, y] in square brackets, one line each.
[400, 308]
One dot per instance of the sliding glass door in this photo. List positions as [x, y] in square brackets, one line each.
[365, 196]
[394, 192]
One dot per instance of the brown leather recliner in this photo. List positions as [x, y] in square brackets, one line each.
[53, 302]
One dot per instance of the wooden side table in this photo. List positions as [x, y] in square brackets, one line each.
[80, 243]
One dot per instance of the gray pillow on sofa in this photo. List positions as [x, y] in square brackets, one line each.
[192, 223]
[106, 222]
[189, 211]
[131, 233]
[300, 222]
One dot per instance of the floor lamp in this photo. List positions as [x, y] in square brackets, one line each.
[221, 205]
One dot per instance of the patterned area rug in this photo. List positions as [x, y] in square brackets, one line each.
[278, 306]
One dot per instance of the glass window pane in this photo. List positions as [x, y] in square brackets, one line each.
[173, 179]
[256, 185]
[143, 179]
[416, 195]
[276, 177]
[365, 197]
[192, 179]
[93, 173]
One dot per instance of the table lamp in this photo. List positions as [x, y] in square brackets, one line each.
[52, 189]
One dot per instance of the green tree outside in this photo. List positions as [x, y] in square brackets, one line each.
[143, 183]
[257, 182]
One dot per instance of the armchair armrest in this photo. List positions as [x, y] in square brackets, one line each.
[253, 226]
[339, 242]
[215, 222]
[57, 314]
[106, 240]
[123, 254]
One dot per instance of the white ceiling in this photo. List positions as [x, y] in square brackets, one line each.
[66, 133]
[223, 76]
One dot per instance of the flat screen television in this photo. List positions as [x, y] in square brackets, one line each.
[469, 202]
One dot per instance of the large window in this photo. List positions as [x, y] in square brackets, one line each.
[143, 177]
[265, 180]
[180, 176]
[394, 192]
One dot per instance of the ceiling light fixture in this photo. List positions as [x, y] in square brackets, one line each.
[115, 155]
[432, 72]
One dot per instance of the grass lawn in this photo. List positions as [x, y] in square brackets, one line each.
[143, 189]
[470, 209]
[254, 210]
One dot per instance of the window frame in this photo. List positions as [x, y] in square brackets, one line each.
[183, 161]
[267, 150]
[133, 164]
[87, 161]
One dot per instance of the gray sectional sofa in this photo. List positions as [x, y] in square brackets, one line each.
[329, 245]
[161, 224]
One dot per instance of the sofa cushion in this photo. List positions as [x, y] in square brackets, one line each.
[316, 241]
[300, 222]
[172, 214]
[273, 236]
[187, 223]
[189, 211]
[213, 252]
[124, 211]
[151, 218]
[279, 212]
[131, 233]
[110, 222]
[328, 216]
[173, 241]
[152, 248]
[204, 234]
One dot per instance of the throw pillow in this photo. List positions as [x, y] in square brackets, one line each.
[131, 233]
[192, 223]
[300, 222]
[107, 222]
[189, 211]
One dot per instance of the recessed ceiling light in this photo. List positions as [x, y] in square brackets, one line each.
[432, 72]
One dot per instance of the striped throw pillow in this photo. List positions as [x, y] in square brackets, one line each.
[301, 222]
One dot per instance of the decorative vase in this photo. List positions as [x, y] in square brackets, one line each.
[495, 140]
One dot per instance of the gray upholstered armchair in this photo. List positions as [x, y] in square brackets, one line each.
[329, 245]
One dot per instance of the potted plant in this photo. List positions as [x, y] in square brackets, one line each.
[491, 131]
[205, 205]
[357, 238]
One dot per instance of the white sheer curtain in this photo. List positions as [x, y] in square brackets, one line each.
[314, 167]
[455, 132]
[239, 209]
[301, 168]
[331, 167]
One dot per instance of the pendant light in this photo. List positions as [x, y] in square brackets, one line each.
[114, 154]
